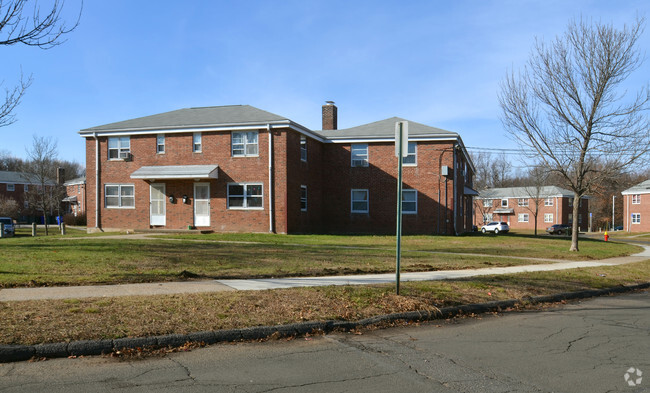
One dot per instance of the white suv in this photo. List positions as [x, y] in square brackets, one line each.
[10, 229]
[496, 227]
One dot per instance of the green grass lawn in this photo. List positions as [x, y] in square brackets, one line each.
[58, 260]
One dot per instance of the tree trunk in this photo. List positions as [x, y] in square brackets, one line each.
[535, 224]
[574, 234]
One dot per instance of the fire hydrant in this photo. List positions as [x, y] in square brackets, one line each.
[606, 236]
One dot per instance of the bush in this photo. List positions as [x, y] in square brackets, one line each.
[78, 220]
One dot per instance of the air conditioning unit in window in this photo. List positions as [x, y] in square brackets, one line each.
[126, 156]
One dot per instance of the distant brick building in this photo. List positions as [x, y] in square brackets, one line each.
[242, 169]
[636, 208]
[75, 200]
[515, 205]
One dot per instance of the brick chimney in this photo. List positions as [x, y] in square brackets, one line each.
[60, 176]
[329, 116]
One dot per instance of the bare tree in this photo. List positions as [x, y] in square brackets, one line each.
[24, 24]
[567, 107]
[8, 207]
[40, 170]
[491, 170]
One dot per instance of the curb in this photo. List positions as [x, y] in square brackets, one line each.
[17, 353]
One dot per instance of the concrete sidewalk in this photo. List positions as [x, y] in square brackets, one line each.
[169, 288]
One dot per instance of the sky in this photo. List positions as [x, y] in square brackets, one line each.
[438, 63]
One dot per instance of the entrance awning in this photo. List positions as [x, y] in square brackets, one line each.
[504, 211]
[165, 172]
[71, 199]
[470, 191]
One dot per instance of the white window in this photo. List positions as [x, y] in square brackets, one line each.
[411, 159]
[522, 202]
[570, 218]
[579, 218]
[548, 217]
[303, 148]
[197, 145]
[548, 202]
[119, 147]
[636, 199]
[245, 196]
[359, 201]
[636, 218]
[26, 188]
[523, 217]
[160, 143]
[244, 144]
[570, 201]
[303, 198]
[11, 187]
[487, 202]
[26, 204]
[487, 217]
[409, 202]
[504, 203]
[119, 196]
[359, 154]
[78, 188]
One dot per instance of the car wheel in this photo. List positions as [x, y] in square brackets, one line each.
[483, 230]
[496, 231]
[559, 232]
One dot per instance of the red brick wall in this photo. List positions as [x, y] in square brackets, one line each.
[380, 178]
[643, 208]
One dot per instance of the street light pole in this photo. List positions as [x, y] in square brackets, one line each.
[613, 207]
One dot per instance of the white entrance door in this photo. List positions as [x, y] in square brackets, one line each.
[157, 202]
[202, 204]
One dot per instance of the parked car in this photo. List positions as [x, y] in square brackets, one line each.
[558, 229]
[10, 229]
[496, 227]
[618, 228]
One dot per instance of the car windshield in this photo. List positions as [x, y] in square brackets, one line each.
[6, 221]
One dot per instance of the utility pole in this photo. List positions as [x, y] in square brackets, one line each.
[401, 150]
[613, 206]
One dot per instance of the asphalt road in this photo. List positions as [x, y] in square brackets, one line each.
[580, 347]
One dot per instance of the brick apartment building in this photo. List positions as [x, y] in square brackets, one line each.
[636, 208]
[13, 185]
[75, 200]
[515, 205]
[242, 169]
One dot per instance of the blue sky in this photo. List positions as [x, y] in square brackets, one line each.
[434, 62]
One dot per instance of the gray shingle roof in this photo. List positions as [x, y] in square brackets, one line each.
[641, 188]
[522, 192]
[18, 178]
[385, 129]
[194, 117]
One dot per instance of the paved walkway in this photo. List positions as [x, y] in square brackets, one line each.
[168, 288]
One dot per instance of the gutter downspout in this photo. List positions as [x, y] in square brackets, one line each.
[455, 191]
[96, 180]
[271, 223]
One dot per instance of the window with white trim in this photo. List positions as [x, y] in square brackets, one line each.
[303, 148]
[487, 202]
[487, 217]
[303, 198]
[570, 218]
[409, 202]
[412, 158]
[359, 201]
[245, 196]
[504, 202]
[119, 148]
[636, 199]
[636, 218]
[160, 143]
[548, 217]
[197, 142]
[522, 202]
[523, 217]
[359, 154]
[548, 202]
[26, 187]
[11, 187]
[117, 196]
[570, 201]
[245, 144]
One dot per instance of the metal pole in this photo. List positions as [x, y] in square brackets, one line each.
[399, 211]
[613, 199]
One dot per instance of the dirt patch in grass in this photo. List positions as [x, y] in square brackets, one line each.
[35, 322]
